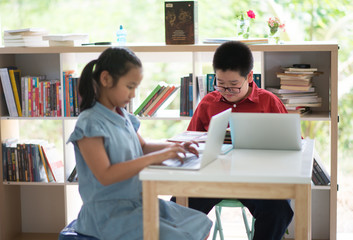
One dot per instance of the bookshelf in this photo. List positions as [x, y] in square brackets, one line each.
[41, 210]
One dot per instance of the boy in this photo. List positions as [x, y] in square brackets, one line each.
[233, 64]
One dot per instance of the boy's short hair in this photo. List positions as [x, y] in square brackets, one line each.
[234, 56]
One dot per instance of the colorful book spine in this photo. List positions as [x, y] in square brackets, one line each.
[147, 99]
[16, 92]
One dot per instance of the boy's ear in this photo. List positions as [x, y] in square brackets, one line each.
[250, 77]
[105, 79]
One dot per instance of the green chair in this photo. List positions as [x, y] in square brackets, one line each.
[218, 224]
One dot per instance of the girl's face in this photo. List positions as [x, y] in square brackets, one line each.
[232, 85]
[122, 93]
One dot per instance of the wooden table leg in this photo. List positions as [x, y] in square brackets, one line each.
[302, 213]
[150, 211]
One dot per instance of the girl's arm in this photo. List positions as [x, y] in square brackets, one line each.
[95, 156]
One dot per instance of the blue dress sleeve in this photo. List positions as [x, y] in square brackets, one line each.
[87, 127]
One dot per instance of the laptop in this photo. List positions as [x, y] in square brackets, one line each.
[213, 146]
[276, 131]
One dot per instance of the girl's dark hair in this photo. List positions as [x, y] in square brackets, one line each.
[234, 56]
[117, 61]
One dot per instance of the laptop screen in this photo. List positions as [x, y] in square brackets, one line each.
[277, 131]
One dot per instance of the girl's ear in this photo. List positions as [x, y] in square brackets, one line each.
[105, 79]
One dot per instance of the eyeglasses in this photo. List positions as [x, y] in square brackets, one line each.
[230, 89]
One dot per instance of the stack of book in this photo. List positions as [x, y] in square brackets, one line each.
[27, 37]
[296, 90]
[66, 40]
[159, 98]
[28, 162]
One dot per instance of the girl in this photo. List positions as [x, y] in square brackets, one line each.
[110, 154]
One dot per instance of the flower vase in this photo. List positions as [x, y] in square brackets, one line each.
[243, 27]
[273, 35]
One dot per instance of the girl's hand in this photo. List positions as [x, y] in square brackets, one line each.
[188, 146]
[173, 151]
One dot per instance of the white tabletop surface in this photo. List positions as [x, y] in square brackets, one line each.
[247, 165]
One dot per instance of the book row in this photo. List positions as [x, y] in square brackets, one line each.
[36, 96]
[319, 174]
[26, 162]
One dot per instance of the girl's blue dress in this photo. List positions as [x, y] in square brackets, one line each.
[115, 211]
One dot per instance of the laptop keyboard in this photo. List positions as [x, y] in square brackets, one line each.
[188, 160]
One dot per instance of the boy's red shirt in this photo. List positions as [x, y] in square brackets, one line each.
[259, 100]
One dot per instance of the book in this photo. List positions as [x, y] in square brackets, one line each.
[320, 171]
[152, 100]
[16, 90]
[185, 136]
[148, 112]
[282, 91]
[257, 79]
[302, 82]
[66, 37]
[210, 81]
[147, 99]
[9, 95]
[73, 175]
[48, 169]
[296, 87]
[165, 95]
[226, 39]
[201, 84]
[25, 31]
[180, 22]
[167, 100]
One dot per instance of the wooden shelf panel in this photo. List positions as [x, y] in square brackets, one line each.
[37, 236]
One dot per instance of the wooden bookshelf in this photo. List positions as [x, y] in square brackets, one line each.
[51, 202]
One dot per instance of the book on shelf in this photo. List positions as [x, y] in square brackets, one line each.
[180, 22]
[40, 96]
[320, 176]
[226, 39]
[166, 100]
[26, 37]
[155, 100]
[186, 95]
[73, 175]
[147, 99]
[8, 92]
[15, 77]
[257, 79]
[210, 78]
[201, 86]
[70, 39]
[167, 93]
[26, 161]
[71, 98]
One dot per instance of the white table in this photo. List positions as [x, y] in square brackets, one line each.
[242, 173]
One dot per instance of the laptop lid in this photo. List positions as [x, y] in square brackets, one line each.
[266, 131]
[215, 137]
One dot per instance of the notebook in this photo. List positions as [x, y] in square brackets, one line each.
[215, 137]
[275, 131]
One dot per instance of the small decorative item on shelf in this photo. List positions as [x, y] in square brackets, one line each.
[274, 25]
[243, 23]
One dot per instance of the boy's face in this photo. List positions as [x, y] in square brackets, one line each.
[232, 86]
